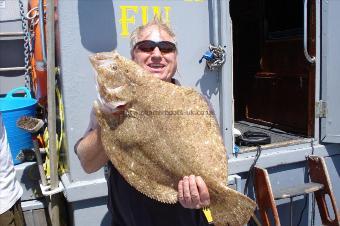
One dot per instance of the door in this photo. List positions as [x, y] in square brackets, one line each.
[330, 72]
[273, 80]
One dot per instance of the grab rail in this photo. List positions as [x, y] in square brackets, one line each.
[310, 58]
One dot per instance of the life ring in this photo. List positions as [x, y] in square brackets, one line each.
[39, 69]
[37, 61]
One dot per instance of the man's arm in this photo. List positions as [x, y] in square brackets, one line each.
[91, 152]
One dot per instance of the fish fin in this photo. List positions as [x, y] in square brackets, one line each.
[231, 208]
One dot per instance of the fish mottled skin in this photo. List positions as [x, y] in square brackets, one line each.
[164, 133]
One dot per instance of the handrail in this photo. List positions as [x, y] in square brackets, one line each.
[11, 34]
[42, 30]
[310, 58]
[12, 69]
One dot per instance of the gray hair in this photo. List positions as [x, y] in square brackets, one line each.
[156, 21]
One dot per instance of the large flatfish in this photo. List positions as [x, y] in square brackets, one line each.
[164, 133]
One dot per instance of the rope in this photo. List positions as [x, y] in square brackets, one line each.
[251, 169]
[303, 209]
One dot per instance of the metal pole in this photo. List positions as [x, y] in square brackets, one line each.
[42, 30]
[311, 59]
[52, 110]
[226, 78]
[10, 34]
[12, 69]
[215, 18]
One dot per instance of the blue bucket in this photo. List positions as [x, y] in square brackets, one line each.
[13, 108]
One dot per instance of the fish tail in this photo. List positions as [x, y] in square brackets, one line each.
[231, 208]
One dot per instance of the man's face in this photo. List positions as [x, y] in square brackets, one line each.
[161, 64]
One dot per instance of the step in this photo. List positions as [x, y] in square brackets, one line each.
[302, 189]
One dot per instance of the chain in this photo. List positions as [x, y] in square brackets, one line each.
[218, 59]
[27, 47]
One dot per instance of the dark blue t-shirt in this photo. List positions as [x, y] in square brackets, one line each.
[129, 207]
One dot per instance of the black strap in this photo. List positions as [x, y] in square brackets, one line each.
[251, 174]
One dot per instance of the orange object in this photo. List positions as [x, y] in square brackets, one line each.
[39, 70]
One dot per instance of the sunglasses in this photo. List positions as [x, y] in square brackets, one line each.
[149, 46]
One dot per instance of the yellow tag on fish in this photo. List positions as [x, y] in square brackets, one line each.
[207, 214]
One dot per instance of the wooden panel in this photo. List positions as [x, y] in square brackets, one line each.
[319, 174]
[281, 92]
[37, 217]
[264, 196]
[284, 56]
[274, 84]
[281, 101]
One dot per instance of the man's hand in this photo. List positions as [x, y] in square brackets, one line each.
[193, 192]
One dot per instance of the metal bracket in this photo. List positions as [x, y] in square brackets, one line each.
[46, 190]
[321, 109]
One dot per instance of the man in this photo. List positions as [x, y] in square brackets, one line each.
[10, 189]
[153, 47]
